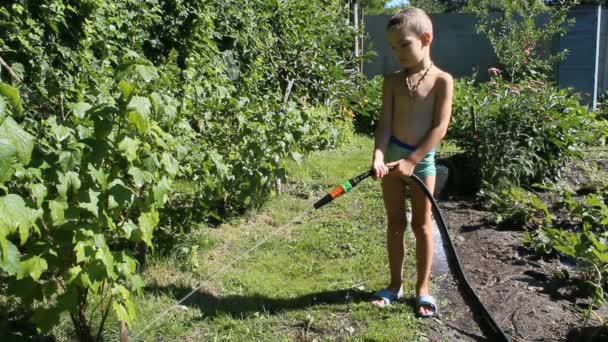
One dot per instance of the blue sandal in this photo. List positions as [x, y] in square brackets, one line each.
[428, 301]
[388, 296]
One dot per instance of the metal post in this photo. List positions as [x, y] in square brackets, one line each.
[356, 24]
[362, 37]
[597, 56]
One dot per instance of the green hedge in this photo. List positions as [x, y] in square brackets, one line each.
[120, 99]
[525, 131]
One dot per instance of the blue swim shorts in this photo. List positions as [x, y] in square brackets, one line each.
[399, 150]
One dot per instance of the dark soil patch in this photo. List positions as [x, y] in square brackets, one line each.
[522, 291]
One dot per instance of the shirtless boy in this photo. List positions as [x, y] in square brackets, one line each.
[416, 110]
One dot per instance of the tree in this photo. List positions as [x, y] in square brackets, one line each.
[517, 37]
[429, 6]
[376, 7]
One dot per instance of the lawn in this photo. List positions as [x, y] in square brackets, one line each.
[313, 280]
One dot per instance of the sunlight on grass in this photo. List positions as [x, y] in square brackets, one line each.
[313, 280]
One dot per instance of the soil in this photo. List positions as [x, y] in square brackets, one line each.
[523, 292]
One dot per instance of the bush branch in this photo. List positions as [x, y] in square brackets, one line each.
[10, 71]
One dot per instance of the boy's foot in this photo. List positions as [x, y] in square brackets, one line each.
[386, 297]
[426, 306]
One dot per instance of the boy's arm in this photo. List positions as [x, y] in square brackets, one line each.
[442, 113]
[384, 128]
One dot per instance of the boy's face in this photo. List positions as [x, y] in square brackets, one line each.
[408, 47]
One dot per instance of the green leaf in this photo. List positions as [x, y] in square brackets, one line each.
[147, 72]
[105, 256]
[170, 113]
[102, 127]
[39, 191]
[91, 206]
[8, 158]
[126, 89]
[27, 289]
[121, 312]
[72, 274]
[99, 176]
[14, 215]
[170, 164]
[68, 300]
[129, 147]
[140, 177]
[12, 94]
[60, 132]
[137, 283]
[79, 109]
[46, 318]
[128, 228]
[95, 273]
[147, 223]
[3, 111]
[22, 140]
[68, 183]
[161, 191]
[124, 300]
[138, 113]
[83, 250]
[69, 160]
[32, 267]
[58, 209]
[120, 195]
[126, 265]
[10, 258]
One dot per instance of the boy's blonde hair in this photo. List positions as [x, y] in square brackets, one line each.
[412, 20]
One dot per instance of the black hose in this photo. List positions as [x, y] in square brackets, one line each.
[455, 265]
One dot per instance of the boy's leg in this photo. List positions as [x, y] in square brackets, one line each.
[422, 226]
[393, 192]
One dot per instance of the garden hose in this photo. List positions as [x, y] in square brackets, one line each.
[491, 325]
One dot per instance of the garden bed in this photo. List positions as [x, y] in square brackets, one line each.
[530, 297]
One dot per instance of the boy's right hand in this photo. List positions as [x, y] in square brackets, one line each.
[379, 169]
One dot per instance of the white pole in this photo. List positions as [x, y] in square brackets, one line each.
[597, 56]
[356, 21]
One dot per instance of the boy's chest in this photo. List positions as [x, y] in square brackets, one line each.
[421, 98]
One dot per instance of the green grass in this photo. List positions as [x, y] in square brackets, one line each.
[313, 280]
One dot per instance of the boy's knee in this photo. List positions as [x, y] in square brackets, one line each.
[396, 227]
[422, 227]
[396, 221]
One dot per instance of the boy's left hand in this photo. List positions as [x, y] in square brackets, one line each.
[401, 167]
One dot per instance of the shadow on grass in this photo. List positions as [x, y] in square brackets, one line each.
[241, 306]
[16, 327]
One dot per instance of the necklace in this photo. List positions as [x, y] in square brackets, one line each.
[412, 89]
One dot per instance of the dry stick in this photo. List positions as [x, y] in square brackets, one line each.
[124, 332]
[287, 92]
[277, 181]
[10, 71]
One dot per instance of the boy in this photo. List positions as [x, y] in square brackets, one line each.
[416, 110]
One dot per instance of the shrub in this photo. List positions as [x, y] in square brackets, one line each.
[120, 98]
[517, 206]
[365, 105]
[585, 241]
[524, 131]
[520, 41]
[80, 191]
